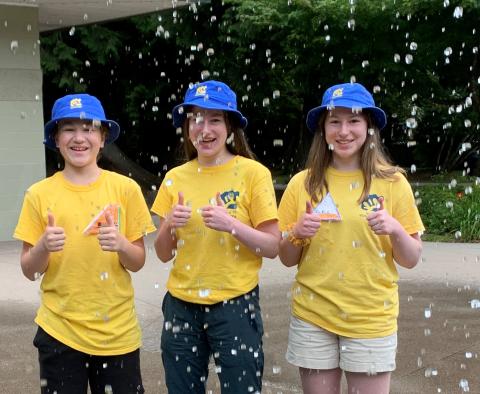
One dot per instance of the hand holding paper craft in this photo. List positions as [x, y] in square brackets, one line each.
[53, 237]
[108, 236]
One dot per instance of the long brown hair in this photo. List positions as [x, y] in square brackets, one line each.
[237, 146]
[374, 161]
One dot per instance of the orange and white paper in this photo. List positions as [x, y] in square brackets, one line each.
[100, 219]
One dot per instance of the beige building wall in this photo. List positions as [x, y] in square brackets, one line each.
[22, 153]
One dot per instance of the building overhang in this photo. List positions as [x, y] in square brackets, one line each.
[59, 14]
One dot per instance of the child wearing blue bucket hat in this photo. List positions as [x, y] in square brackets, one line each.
[218, 218]
[82, 231]
[346, 220]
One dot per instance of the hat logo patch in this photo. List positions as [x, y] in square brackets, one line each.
[201, 91]
[337, 93]
[76, 103]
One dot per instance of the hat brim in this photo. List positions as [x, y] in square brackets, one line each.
[379, 116]
[50, 127]
[179, 116]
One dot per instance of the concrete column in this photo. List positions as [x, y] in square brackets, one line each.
[22, 154]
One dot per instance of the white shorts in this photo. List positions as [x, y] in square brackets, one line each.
[312, 347]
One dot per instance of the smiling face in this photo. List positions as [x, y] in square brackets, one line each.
[207, 130]
[345, 135]
[79, 142]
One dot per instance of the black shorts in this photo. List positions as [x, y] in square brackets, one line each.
[64, 370]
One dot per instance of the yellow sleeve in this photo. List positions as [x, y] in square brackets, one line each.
[31, 223]
[263, 205]
[288, 208]
[138, 218]
[164, 200]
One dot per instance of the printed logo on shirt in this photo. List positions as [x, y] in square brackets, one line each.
[230, 198]
[76, 103]
[371, 203]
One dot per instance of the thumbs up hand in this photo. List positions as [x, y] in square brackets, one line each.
[380, 220]
[217, 217]
[308, 224]
[53, 237]
[109, 237]
[180, 214]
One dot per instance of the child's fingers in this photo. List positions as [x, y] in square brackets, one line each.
[180, 198]
[51, 219]
[110, 221]
[308, 207]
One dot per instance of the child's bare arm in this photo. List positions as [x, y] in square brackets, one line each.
[34, 258]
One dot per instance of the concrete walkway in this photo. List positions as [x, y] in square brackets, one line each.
[439, 325]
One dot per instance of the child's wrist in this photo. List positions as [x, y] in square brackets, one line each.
[290, 235]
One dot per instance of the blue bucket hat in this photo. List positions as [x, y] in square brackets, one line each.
[208, 95]
[78, 106]
[347, 95]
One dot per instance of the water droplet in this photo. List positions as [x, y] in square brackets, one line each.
[428, 313]
[277, 369]
[413, 168]
[458, 12]
[168, 182]
[203, 293]
[463, 384]
[458, 234]
[14, 46]
[104, 276]
[356, 244]
[408, 58]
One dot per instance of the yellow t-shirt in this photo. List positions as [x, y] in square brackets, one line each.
[347, 279]
[212, 266]
[87, 296]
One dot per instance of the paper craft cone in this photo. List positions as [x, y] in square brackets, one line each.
[327, 209]
[100, 220]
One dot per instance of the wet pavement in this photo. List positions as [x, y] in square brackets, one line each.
[439, 324]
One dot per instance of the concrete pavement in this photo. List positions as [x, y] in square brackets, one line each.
[439, 324]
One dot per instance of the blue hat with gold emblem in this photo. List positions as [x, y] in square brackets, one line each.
[347, 95]
[208, 95]
[78, 106]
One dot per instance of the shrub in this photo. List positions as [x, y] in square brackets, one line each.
[450, 212]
